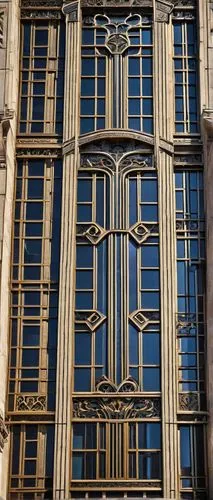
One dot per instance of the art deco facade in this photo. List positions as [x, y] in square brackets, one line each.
[106, 233]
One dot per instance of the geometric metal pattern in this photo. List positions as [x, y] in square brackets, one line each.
[93, 319]
[138, 319]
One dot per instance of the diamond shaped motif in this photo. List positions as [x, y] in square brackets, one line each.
[139, 232]
[138, 319]
[95, 233]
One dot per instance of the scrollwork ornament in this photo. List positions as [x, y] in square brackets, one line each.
[31, 403]
[189, 402]
[3, 433]
[116, 408]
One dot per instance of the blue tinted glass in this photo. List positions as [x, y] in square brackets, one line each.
[179, 127]
[150, 279]
[146, 66]
[146, 36]
[88, 66]
[84, 213]
[84, 256]
[30, 357]
[82, 348]
[185, 450]
[101, 66]
[132, 276]
[148, 125]
[87, 125]
[133, 345]
[84, 190]
[31, 335]
[180, 249]
[134, 66]
[134, 87]
[179, 180]
[150, 300]
[134, 123]
[38, 108]
[34, 211]
[151, 349]
[100, 202]
[147, 106]
[84, 300]
[178, 33]
[87, 36]
[87, 106]
[101, 106]
[35, 188]
[147, 89]
[88, 86]
[181, 278]
[100, 123]
[151, 379]
[78, 466]
[134, 107]
[149, 436]
[149, 190]
[101, 86]
[132, 201]
[150, 256]
[41, 37]
[84, 279]
[149, 213]
[82, 379]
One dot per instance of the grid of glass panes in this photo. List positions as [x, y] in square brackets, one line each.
[92, 459]
[144, 281]
[30, 477]
[34, 298]
[140, 77]
[185, 72]
[193, 481]
[91, 280]
[93, 78]
[191, 281]
[42, 77]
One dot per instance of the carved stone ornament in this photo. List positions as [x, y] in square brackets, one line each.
[47, 153]
[31, 403]
[116, 408]
[116, 3]
[71, 10]
[93, 319]
[5, 118]
[105, 385]
[3, 433]
[164, 9]
[188, 402]
[117, 484]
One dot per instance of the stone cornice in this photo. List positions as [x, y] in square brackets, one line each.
[69, 145]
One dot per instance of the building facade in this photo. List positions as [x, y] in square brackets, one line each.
[106, 249]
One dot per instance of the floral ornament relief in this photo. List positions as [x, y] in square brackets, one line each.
[117, 40]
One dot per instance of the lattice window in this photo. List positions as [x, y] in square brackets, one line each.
[116, 73]
[191, 286]
[34, 299]
[186, 73]
[42, 73]
[32, 447]
[192, 462]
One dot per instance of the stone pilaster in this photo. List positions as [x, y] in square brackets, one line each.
[9, 78]
[164, 129]
[67, 264]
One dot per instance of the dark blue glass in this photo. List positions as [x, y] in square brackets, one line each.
[101, 86]
[178, 33]
[30, 357]
[149, 190]
[82, 348]
[82, 379]
[23, 108]
[147, 107]
[147, 86]
[84, 190]
[34, 211]
[150, 256]
[133, 345]
[134, 87]
[88, 87]
[84, 213]
[148, 125]
[87, 106]
[84, 279]
[185, 450]
[149, 436]
[39, 88]
[101, 66]
[100, 123]
[146, 36]
[32, 251]
[102, 277]
[84, 300]
[132, 276]
[100, 106]
[150, 300]
[147, 66]
[118, 306]
[26, 44]
[87, 36]
[87, 125]
[149, 213]
[151, 348]
[101, 346]
[132, 201]
[134, 107]
[134, 66]
[100, 202]
[38, 108]
[35, 189]
[88, 66]
[150, 279]
[134, 123]
[41, 37]
[78, 466]
[84, 256]
[31, 335]
[151, 379]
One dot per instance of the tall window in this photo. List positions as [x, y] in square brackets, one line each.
[42, 76]
[116, 73]
[186, 74]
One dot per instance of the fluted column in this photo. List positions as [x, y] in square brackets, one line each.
[164, 129]
[67, 262]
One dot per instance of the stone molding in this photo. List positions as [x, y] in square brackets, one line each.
[5, 117]
[72, 11]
